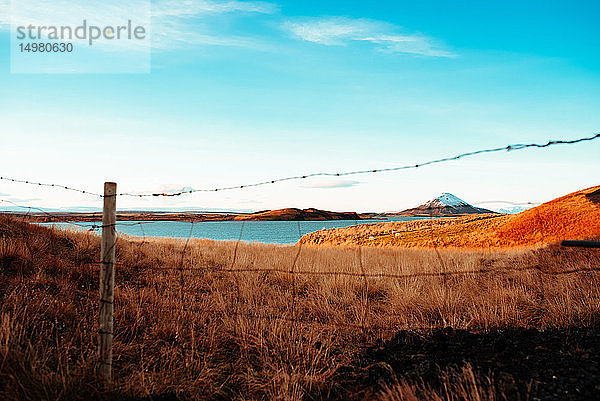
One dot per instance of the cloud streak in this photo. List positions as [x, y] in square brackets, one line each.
[4, 15]
[192, 8]
[330, 184]
[178, 24]
[22, 200]
[175, 24]
[175, 35]
[342, 31]
[190, 23]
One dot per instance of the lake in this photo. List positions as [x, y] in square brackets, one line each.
[273, 232]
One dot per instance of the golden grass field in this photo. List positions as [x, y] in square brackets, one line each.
[208, 333]
[574, 216]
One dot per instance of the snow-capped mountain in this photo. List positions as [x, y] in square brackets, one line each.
[444, 200]
[445, 204]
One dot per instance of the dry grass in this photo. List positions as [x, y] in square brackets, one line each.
[207, 333]
[574, 216]
[457, 385]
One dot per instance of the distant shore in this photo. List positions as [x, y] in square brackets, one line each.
[288, 214]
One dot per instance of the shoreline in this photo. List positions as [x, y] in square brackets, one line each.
[188, 216]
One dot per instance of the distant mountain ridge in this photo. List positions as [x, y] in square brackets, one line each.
[512, 210]
[444, 205]
[294, 214]
[289, 214]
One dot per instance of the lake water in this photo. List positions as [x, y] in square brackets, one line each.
[274, 232]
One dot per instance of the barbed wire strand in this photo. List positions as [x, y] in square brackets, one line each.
[380, 275]
[364, 325]
[55, 217]
[507, 148]
[507, 202]
[41, 184]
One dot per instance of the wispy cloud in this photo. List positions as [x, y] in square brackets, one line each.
[189, 23]
[175, 35]
[192, 8]
[165, 189]
[175, 24]
[341, 31]
[160, 9]
[328, 184]
[23, 200]
[178, 24]
[4, 15]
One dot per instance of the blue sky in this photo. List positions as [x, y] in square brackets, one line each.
[243, 91]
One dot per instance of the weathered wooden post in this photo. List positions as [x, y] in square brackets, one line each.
[107, 282]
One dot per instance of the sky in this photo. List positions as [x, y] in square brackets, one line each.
[245, 91]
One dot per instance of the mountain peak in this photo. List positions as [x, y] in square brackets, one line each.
[451, 200]
[446, 200]
[445, 204]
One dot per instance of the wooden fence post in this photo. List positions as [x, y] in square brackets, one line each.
[107, 282]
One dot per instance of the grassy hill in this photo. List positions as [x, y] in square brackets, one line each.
[294, 214]
[574, 216]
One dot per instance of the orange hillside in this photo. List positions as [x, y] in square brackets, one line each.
[573, 216]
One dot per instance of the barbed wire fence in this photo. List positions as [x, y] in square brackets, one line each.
[508, 148]
[178, 272]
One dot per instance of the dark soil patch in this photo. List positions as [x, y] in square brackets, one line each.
[524, 364]
[594, 197]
